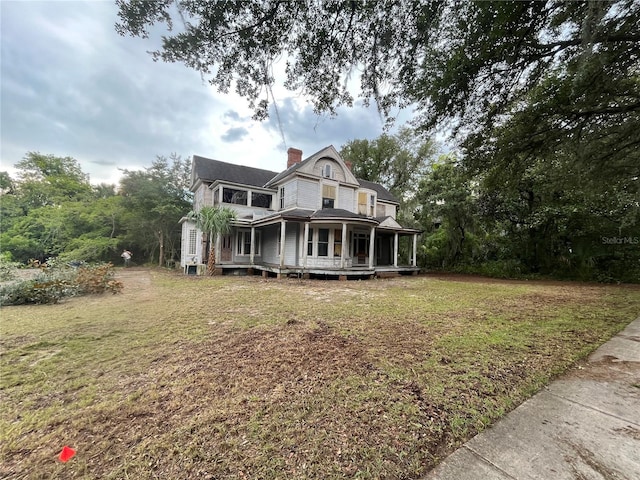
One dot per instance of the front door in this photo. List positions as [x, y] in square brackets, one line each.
[361, 248]
[225, 254]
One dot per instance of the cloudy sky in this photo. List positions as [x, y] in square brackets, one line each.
[71, 86]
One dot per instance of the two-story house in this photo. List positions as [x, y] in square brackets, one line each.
[313, 219]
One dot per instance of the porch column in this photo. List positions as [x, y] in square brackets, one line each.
[414, 262]
[253, 245]
[372, 245]
[283, 231]
[395, 249]
[343, 254]
[304, 246]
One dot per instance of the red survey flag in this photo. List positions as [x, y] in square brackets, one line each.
[66, 454]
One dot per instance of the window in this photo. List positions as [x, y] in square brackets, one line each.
[244, 243]
[323, 242]
[232, 195]
[372, 205]
[310, 243]
[381, 210]
[337, 242]
[362, 203]
[326, 171]
[281, 198]
[191, 248]
[262, 200]
[328, 196]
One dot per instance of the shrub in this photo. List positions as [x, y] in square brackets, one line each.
[58, 282]
[98, 279]
[7, 267]
[37, 292]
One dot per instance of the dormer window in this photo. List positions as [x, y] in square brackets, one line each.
[326, 171]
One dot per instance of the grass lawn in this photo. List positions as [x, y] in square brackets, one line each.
[242, 378]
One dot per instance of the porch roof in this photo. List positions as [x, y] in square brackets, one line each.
[325, 214]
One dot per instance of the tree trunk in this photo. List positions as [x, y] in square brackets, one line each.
[211, 261]
[161, 254]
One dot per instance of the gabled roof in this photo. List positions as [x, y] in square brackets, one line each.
[383, 193]
[276, 178]
[307, 164]
[209, 170]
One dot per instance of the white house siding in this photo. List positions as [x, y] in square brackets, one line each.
[270, 237]
[386, 210]
[346, 199]
[183, 243]
[203, 197]
[291, 244]
[290, 194]
[244, 259]
[242, 210]
[308, 194]
[187, 257]
[328, 262]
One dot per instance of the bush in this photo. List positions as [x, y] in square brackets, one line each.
[7, 267]
[37, 292]
[98, 279]
[496, 269]
[56, 283]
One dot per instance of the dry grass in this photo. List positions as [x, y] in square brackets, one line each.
[183, 377]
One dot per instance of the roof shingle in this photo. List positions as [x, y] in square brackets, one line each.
[383, 193]
[210, 170]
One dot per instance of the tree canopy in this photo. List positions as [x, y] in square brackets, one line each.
[396, 161]
[542, 97]
[567, 71]
[51, 210]
[155, 199]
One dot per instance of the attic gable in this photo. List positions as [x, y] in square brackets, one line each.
[311, 166]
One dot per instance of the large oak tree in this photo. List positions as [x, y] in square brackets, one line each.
[467, 65]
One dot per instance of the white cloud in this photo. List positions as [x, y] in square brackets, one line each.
[72, 86]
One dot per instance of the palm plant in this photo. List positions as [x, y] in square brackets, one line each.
[214, 221]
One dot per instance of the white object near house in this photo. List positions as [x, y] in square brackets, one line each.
[313, 219]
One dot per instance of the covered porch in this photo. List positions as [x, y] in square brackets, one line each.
[332, 243]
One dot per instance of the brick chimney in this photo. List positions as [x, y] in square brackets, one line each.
[349, 164]
[293, 156]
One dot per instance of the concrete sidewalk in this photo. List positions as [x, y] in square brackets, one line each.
[585, 425]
